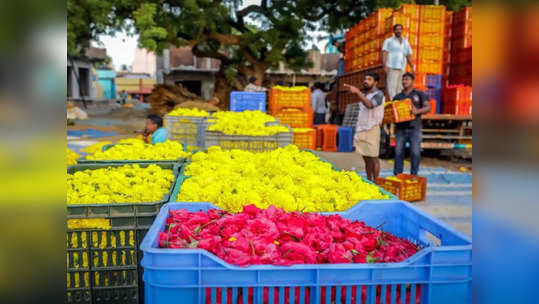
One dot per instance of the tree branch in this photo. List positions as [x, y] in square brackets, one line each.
[211, 54]
[225, 39]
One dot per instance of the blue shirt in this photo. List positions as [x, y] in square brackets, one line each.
[160, 135]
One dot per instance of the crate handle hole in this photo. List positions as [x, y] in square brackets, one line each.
[429, 238]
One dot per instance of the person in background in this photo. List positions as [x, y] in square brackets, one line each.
[371, 113]
[253, 86]
[279, 83]
[340, 45]
[410, 130]
[396, 51]
[154, 127]
[331, 97]
[318, 100]
[123, 96]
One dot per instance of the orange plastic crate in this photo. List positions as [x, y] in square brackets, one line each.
[431, 53]
[295, 118]
[411, 10]
[414, 25]
[398, 111]
[434, 39]
[409, 188]
[432, 102]
[326, 137]
[305, 139]
[432, 12]
[298, 99]
[430, 66]
[432, 27]
[396, 18]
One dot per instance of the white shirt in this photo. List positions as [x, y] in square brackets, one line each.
[254, 88]
[396, 52]
[369, 118]
[318, 101]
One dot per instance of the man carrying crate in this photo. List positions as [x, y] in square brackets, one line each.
[410, 130]
[396, 51]
[371, 113]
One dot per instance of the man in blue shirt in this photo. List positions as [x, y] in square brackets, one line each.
[410, 130]
[154, 126]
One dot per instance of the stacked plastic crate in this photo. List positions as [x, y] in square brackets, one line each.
[446, 73]
[461, 52]
[457, 93]
[364, 42]
[431, 36]
[292, 107]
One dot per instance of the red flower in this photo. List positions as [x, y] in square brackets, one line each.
[273, 236]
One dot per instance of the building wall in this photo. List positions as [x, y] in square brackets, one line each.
[83, 71]
[132, 84]
[144, 62]
[207, 80]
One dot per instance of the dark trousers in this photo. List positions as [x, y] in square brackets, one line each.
[413, 136]
[319, 118]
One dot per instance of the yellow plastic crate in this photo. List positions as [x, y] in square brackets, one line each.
[432, 27]
[431, 40]
[432, 12]
[431, 53]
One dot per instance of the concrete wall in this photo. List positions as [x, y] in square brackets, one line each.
[207, 80]
[79, 69]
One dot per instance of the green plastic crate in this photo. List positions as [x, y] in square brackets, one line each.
[122, 215]
[103, 265]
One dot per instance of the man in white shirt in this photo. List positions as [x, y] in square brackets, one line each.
[253, 86]
[396, 51]
[318, 102]
[371, 113]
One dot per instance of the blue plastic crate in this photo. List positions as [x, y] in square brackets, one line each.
[242, 101]
[442, 269]
[434, 93]
[345, 139]
[434, 81]
[438, 106]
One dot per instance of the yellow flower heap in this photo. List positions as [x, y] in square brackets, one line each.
[189, 112]
[91, 149]
[124, 184]
[289, 178]
[252, 123]
[138, 150]
[71, 157]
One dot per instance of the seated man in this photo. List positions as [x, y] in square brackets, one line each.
[154, 126]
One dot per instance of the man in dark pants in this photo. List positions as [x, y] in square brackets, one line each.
[318, 100]
[410, 130]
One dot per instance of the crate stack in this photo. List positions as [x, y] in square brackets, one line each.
[457, 92]
[457, 100]
[431, 36]
[461, 52]
[446, 73]
[292, 107]
[364, 42]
